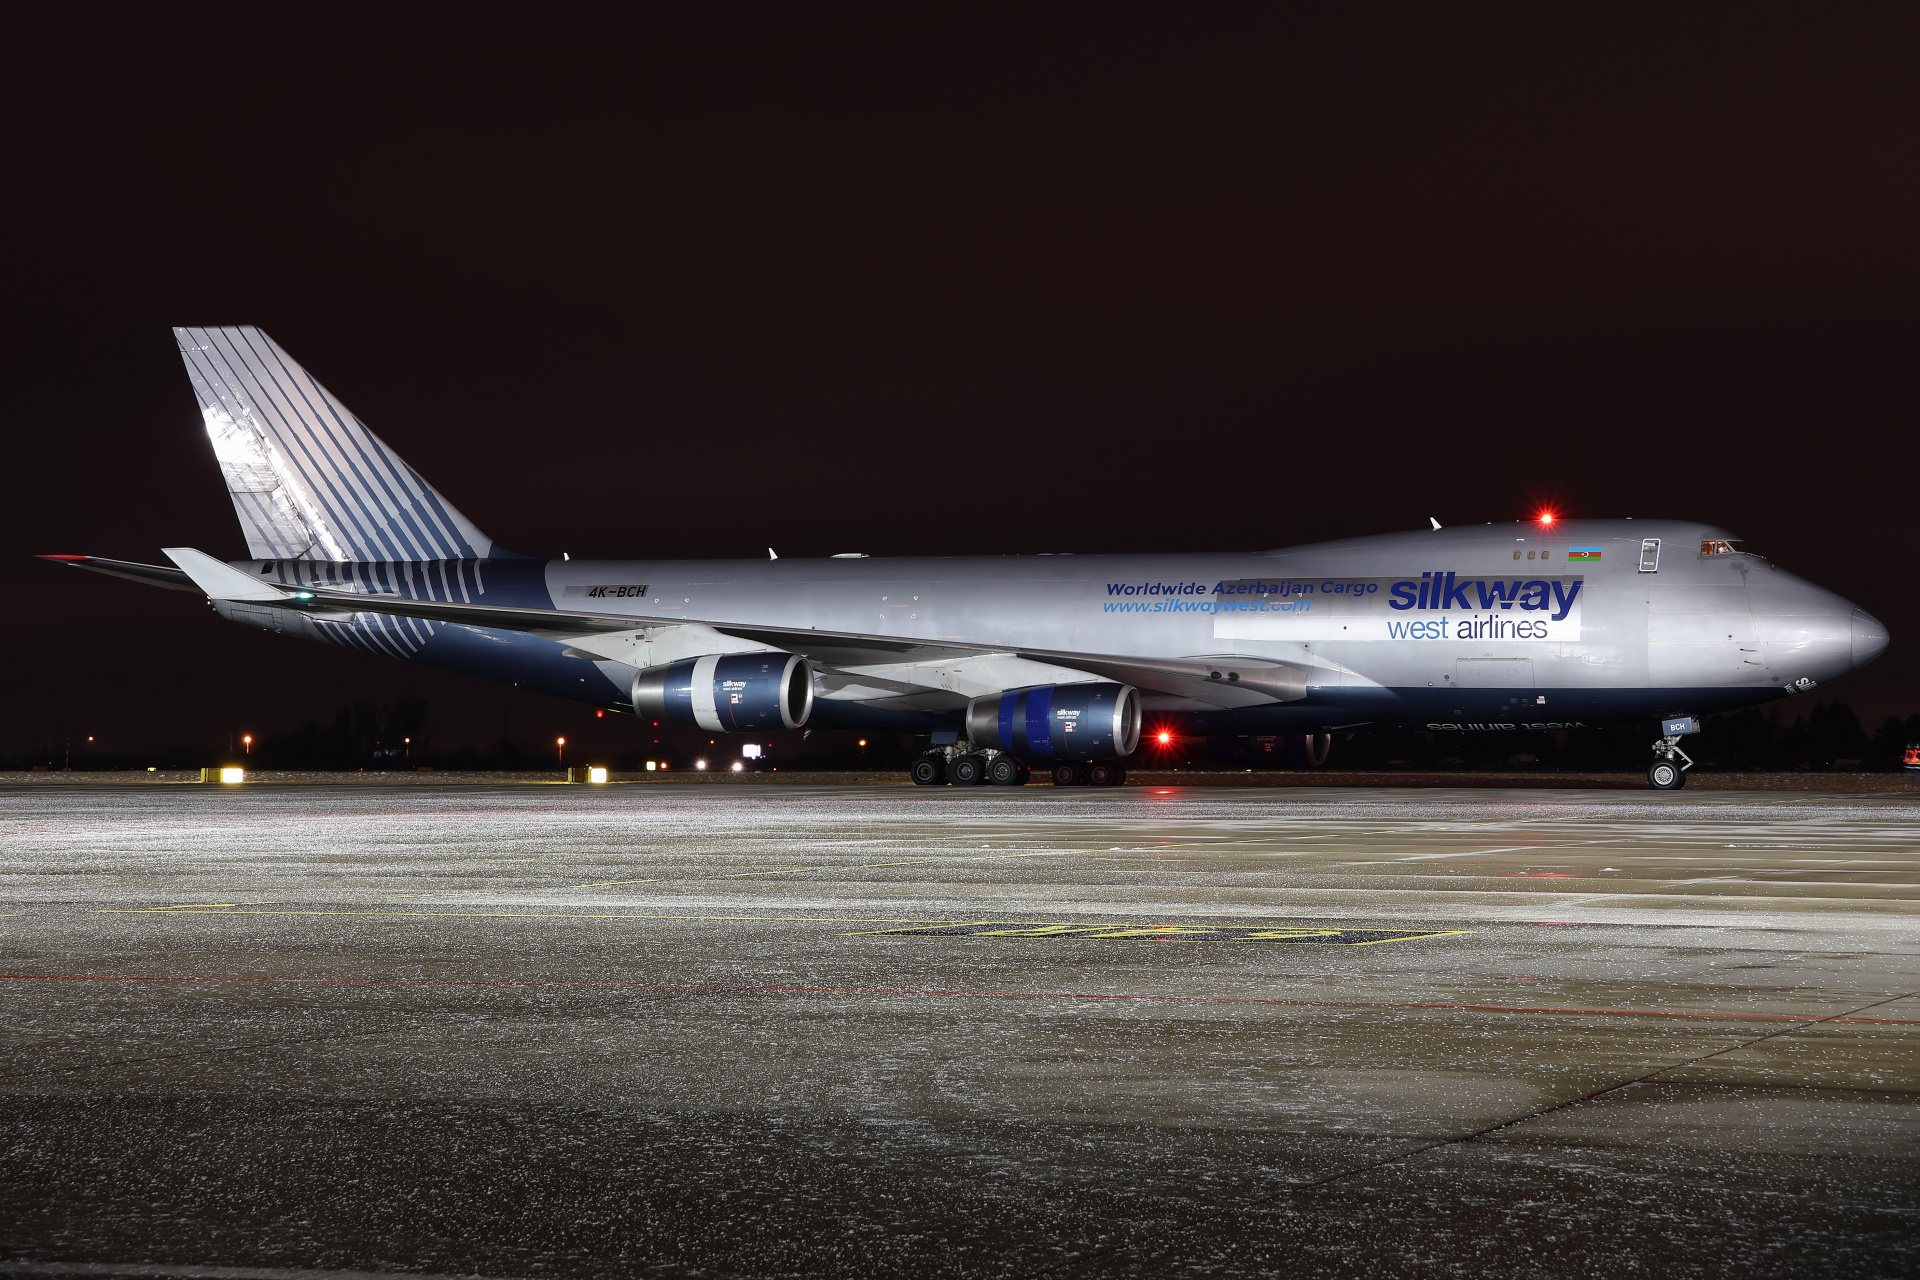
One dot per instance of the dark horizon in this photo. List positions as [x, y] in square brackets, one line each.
[903, 289]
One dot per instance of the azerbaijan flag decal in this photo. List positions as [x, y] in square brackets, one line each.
[1583, 553]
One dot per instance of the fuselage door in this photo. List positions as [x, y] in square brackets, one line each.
[1650, 555]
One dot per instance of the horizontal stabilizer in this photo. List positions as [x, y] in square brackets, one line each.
[221, 581]
[158, 575]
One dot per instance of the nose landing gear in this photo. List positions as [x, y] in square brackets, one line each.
[1668, 772]
[1665, 775]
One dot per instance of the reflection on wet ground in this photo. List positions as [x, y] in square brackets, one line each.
[819, 1030]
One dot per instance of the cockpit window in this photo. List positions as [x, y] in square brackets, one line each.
[1712, 547]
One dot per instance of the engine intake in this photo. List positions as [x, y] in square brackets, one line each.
[1094, 721]
[1305, 750]
[728, 693]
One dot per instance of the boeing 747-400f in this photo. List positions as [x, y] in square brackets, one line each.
[1005, 662]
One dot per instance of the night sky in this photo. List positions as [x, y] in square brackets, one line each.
[839, 281]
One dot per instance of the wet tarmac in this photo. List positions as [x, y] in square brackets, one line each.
[661, 1030]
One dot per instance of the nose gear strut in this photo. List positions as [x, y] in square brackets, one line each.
[1664, 774]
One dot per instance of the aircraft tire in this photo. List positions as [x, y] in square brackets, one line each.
[1007, 771]
[1066, 774]
[1106, 773]
[928, 771]
[967, 771]
[1666, 775]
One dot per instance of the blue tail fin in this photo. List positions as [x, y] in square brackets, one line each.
[308, 480]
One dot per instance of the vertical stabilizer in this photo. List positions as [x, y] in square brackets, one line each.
[309, 481]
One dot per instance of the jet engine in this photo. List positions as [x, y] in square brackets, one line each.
[1094, 721]
[1305, 750]
[728, 693]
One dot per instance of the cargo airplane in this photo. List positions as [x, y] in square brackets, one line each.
[1005, 663]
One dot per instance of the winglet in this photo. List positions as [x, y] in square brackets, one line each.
[221, 581]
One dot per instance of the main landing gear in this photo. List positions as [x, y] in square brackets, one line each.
[963, 768]
[1093, 773]
[960, 767]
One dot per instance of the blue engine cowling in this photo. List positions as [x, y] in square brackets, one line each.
[728, 693]
[1094, 721]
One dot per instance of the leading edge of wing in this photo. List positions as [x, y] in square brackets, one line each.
[1225, 682]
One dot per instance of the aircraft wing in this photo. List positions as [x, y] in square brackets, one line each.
[1224, 681]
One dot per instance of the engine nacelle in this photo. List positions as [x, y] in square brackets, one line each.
[1305, 750]
[1094, 721]
[728, 693]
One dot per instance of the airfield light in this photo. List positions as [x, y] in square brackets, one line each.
[863, 742]
[246, 740]
[699, 764]
[651, 766]
[738, 766]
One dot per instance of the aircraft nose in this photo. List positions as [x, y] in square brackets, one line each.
[1870, 638]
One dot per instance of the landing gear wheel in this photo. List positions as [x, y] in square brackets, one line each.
[1666, 775]
[928, 771]
[1106, 773]
[967, 771]
[1069, 775]
[1007, 771]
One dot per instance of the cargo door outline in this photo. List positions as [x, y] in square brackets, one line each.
[1492, 692]
[1493, 673]
[1703, 636]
